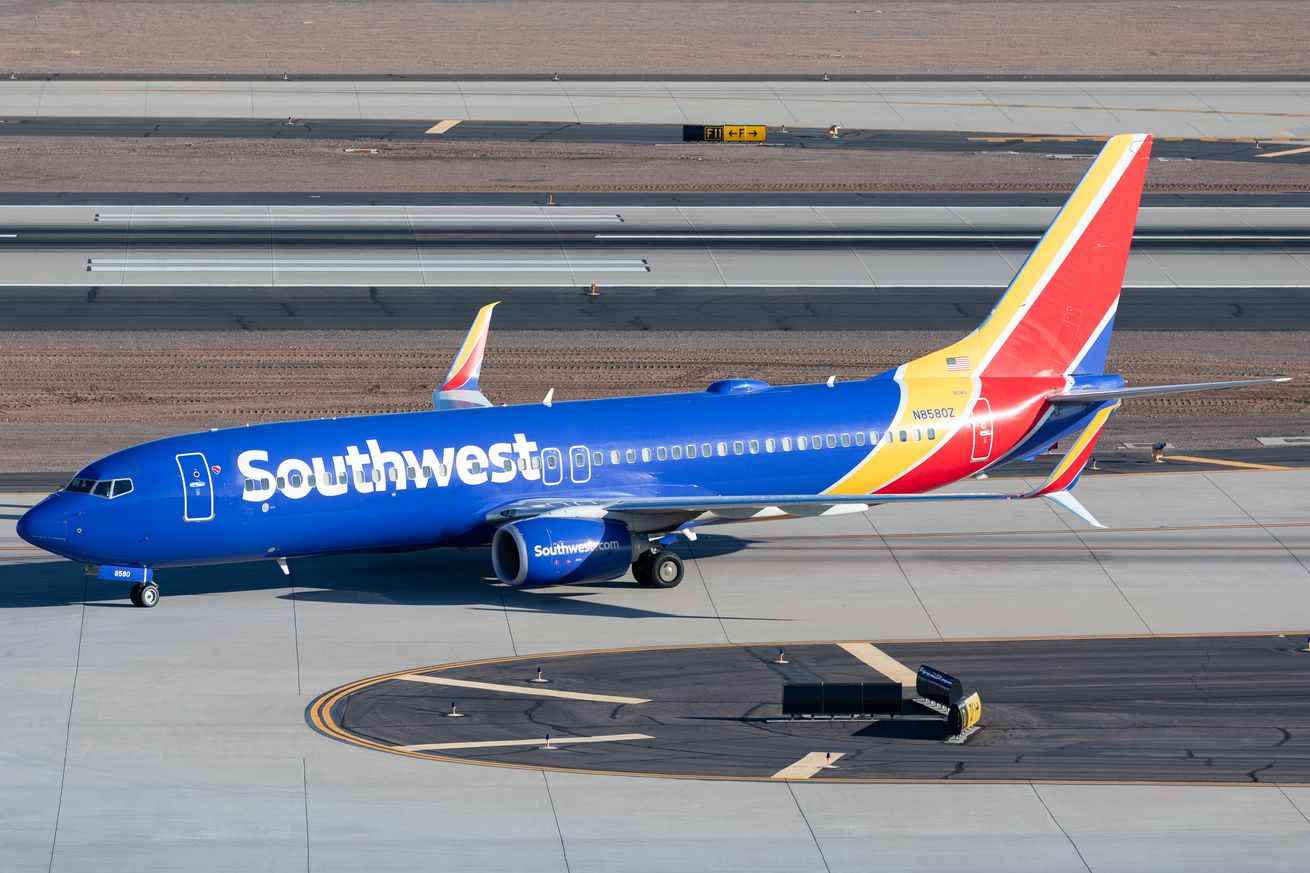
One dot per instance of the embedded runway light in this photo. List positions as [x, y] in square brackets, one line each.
[825, 77]
[1157, 452]
[454, 711]
[827, 761]
[539, 678]
[550, 199]
[593, 291]
[555, 78]
[782, 658]
[1094, 466]
[548, 747]
[832, 131]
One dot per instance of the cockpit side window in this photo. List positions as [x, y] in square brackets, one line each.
[107, 488]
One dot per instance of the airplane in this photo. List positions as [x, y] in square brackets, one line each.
[587, 490]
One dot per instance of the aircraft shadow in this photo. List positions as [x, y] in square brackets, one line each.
[434, 577]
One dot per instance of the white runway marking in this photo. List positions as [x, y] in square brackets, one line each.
[539, 741]
[534, 691]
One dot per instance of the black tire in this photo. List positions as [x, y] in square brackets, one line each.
[135, 594]
[149, 596]
[665, 570]
[641, 569]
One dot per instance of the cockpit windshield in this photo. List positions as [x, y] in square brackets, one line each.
[107, 488]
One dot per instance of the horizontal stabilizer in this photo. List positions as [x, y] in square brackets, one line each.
[1155, 390]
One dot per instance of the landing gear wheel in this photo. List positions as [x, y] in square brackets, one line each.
[641, 569]
[144, 595]
[665, 570]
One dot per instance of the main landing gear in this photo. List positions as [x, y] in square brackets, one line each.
[144, 594]
[658, 569]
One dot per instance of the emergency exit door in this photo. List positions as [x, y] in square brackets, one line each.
[981, 422]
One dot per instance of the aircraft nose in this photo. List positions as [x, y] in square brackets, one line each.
[43, 525]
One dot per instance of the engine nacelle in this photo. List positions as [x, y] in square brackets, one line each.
[554, 551]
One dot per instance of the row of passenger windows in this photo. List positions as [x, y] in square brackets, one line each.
[616, 456]
[754, 447]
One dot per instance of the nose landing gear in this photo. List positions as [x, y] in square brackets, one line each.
[658, 569]
[144, 594]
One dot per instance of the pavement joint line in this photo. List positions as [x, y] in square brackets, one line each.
[443, 126]
[1246, 465]
[539, 741]
[808, 766]
[882, 662]
[514, 689]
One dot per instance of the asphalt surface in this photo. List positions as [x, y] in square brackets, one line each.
[1194, 709]
[617, 308]
[383, 130]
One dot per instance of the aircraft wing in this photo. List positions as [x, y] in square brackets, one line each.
[459, 390]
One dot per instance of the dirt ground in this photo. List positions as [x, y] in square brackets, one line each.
[651, 37]
[58, 164]
[69, 397]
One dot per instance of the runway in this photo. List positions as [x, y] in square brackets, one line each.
[376, 132]
[1080, 108]
[815, 267]
[180, 732]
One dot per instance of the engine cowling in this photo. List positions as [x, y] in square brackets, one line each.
[554, 551]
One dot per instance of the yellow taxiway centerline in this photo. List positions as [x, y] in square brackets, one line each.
[1245, 465]
[882, 662]
[554, 741]
[515, 689]
[807, 766]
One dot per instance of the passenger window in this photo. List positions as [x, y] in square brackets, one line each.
[442, 471]
[770, 445]
[691, 451]
[281, 483]
[630, 456]
[723, 449]
[737, 447]
[832, 441]
[754, 446]
[359, 476]
[507, 466]
[536, 462]
[393, 473]
[903, 437]
[918, 434]
[310, 480]
[614, 456]
[706, 450]
[427, 472]
[676, 451]
[932, 434]
[802, 444]
[786, 444]
[523, 463]
[645, 455]
[661, 454]
[598, 458]
[250, 484]
[816, 442]
[845, 441]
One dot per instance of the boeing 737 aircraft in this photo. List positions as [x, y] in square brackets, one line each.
[567, 492]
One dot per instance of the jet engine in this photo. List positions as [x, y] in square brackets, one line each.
[552, 551]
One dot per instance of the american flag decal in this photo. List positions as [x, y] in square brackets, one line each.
[960, 363]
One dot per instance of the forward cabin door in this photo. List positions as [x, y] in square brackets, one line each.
[197, 487]
[982, 430]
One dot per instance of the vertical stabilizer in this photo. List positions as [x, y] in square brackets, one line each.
[1056, 316]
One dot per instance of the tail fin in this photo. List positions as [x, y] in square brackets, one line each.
[1056, 316]
[459, 390]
